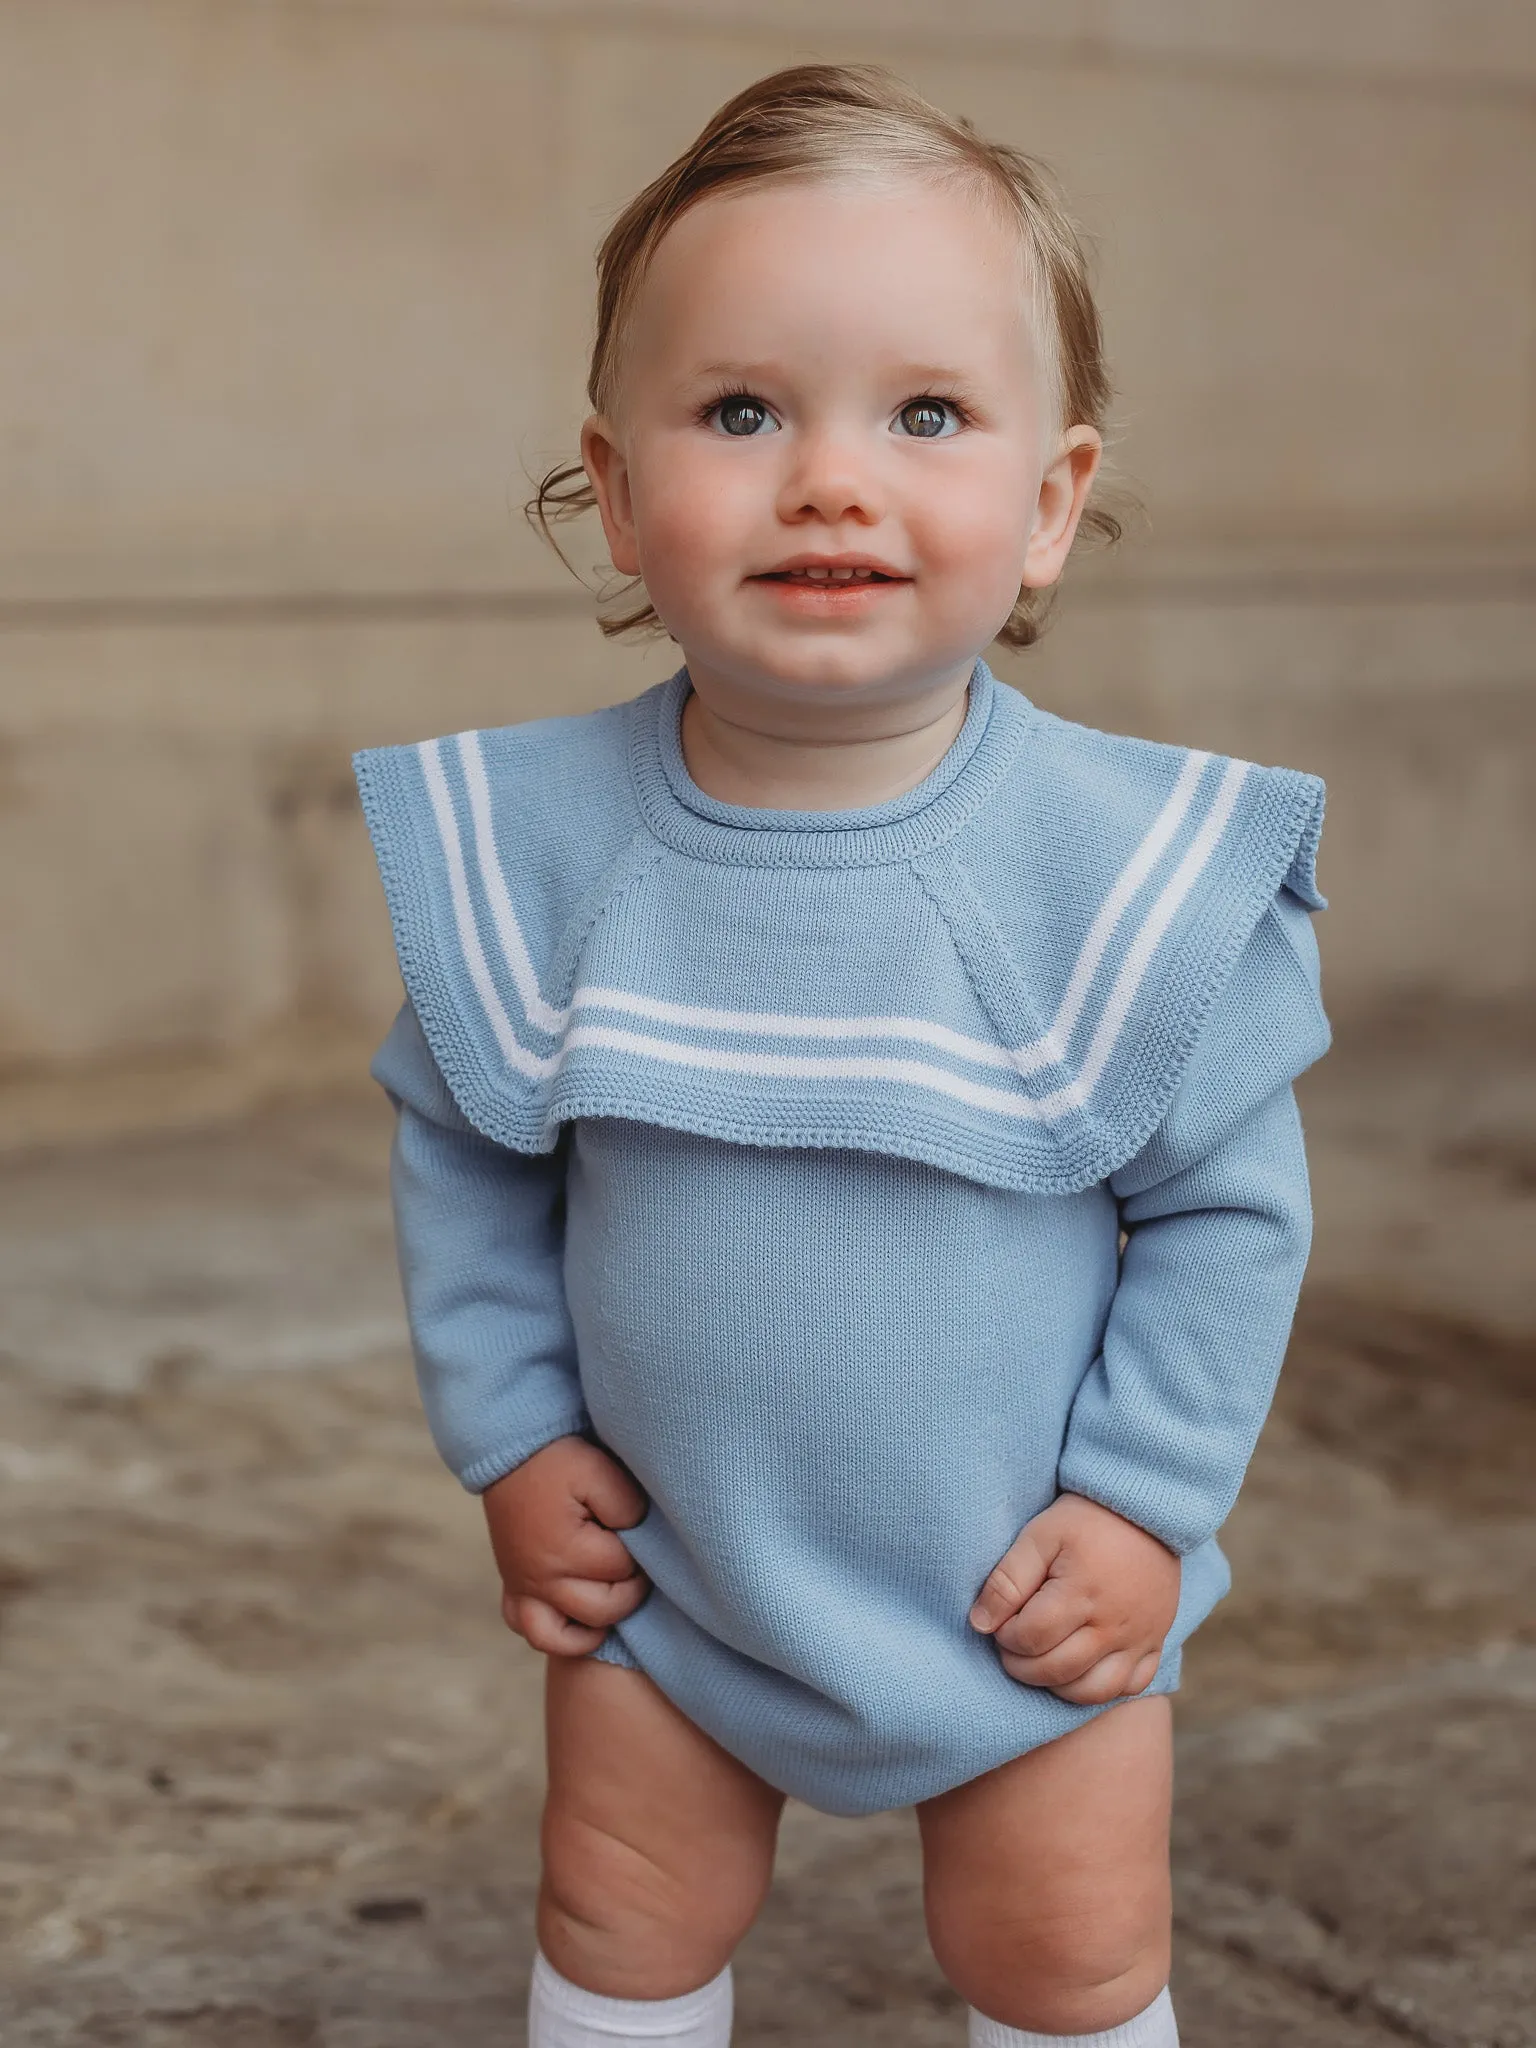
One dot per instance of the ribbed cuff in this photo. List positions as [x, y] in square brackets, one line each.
[702, 2016]
[1154, 2028]
[494, 1465]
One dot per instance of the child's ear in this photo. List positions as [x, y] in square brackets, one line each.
[1064, 492]
[608, 472]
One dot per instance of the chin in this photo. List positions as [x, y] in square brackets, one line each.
[835, 667]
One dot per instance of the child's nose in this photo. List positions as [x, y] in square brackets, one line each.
[831, 479]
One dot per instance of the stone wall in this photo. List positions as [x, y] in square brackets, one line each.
[296, 296]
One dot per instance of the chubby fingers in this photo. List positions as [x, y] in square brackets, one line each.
[1119, 1676]
[589, 1552]
[1016, 1576]
[1063, 1664]
[607, 1491]
[1079, 1671]
[594, 1603]
[544, 1628]
[1045, 1620]
[567, 1617]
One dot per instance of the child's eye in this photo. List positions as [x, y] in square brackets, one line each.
[743, 416]
[927, 419]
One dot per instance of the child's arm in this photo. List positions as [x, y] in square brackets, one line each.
[480, 1233]
[1216, 1212]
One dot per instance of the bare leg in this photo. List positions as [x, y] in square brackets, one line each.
[658, 1846]
[1046, 1881]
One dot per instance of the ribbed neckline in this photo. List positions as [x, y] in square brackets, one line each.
[684, 817]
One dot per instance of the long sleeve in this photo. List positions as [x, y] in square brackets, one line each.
[480, 1233]
[1218, 1225]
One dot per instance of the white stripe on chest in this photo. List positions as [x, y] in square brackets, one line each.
[1050, 1049]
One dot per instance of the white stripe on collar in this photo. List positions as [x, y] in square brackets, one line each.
[1048, 1050]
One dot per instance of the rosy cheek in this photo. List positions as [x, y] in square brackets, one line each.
[965, 544]
[705, 513]
[981, 529]
[670, 518]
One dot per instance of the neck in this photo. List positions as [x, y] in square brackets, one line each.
[740, 755]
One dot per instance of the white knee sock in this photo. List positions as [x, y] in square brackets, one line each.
[562, 2015]
[1154, 2028]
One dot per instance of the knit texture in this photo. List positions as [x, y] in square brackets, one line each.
[1003, 973]
[845, 1372]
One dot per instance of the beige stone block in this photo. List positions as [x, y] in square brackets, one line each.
[882, 26]
[1492, 42]
[1475, 44]
[272, 295]
[364, 680]
[879, 25]
[183, 868]
[1420, 714]
[136, 907]
[1319, 305]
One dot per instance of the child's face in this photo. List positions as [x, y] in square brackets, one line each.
[821, 377]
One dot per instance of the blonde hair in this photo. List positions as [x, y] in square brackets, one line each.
[839, 119]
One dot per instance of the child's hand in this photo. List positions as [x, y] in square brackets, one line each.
[565, 1576]
[1080, 1603]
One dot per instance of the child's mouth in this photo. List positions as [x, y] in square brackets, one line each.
[837, 576]
[831, 592]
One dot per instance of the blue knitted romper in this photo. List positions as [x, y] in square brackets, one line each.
[862, 1180]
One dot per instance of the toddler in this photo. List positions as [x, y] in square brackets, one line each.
[850, 1196]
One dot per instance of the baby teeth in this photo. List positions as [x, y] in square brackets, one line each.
[826, 575]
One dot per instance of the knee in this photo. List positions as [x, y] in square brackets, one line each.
[1052, 1973]
[618, 1919]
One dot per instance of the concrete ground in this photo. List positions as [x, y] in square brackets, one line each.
[270, 1766]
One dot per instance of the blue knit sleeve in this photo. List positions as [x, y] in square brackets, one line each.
[1218, 1224]
[479, 1230]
